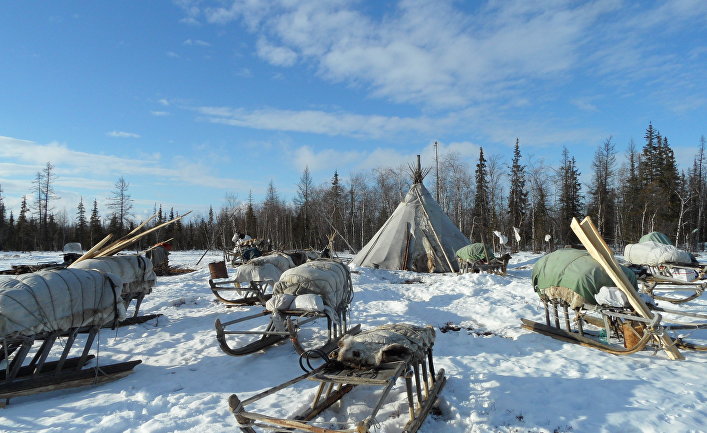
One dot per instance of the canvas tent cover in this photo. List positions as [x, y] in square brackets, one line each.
[575, 270]
[655, 253]
[329, 279]
[58, 300]
[135, 271]
[655, 237]
[410, 239]
[474, 252]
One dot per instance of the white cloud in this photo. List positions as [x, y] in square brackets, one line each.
[196, 43]
[277, 55]
[584, 104]
[439, 54]
[314, 121]
[159, 113]
[122, 134]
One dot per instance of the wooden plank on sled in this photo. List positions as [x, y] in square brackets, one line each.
[599, 250]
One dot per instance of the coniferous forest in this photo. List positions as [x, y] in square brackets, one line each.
[630, 192]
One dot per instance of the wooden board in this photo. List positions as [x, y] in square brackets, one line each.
[599, 250]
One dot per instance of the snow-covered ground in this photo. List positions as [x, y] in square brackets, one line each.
[500, 378]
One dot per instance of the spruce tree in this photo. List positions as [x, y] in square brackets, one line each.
[517, 196]
[480, 225]
[570, 200]
[23, 227]
[4, 229]
[81, 223]
[95, 232]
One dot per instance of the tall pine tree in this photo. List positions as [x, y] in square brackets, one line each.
[517, 197]
[480, 224]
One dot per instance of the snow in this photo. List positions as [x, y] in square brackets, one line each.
[501, 378]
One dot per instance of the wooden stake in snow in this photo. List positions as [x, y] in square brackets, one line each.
[599, 250]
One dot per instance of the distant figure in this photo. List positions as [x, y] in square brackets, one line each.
[238, 239]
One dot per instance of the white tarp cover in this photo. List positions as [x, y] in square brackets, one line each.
[654, 254]
[418, 224]
[280, 260]
[134, 270]
[329, 279]
[58, 300]
[253, 272]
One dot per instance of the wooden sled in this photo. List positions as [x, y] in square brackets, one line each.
[638, 320]
[335, 381]
[20, 378]
[283, 325]
[247, 296]
[659, 282]
[618, 331]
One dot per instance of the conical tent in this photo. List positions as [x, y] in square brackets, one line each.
[418, 236]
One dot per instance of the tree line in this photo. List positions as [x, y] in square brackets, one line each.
[627, 196]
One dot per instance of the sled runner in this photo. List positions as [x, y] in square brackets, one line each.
[602, 295]
[337, 377]
[312, 292]
[49, 306]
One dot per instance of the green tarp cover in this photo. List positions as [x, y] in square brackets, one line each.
[656, 237]
[575, 270]
[474, 252]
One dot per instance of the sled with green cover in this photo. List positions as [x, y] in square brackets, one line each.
[622, 323]
[478, 257]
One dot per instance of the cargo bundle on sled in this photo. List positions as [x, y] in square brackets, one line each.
[609, 315]
[374, 358]
[47, 306]
[259, 275]
[314, 291]
[136, 273]
[663, 268]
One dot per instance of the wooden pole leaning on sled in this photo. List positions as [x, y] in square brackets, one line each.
[599, 250]
[100, 251]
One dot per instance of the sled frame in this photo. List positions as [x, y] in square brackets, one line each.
[284, 325]
[254, 294]
[21, 378]
[599, 250]
[335, 381]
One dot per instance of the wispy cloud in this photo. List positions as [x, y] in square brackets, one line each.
[159, 113]
[438, 55]
[196, 43]
[77, 165]
[314, 121]
[122, 134]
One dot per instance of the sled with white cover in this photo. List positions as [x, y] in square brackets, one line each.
[41, 308]
[251, 280]
[398, 351]
[138, 277]
[662, 267]
[313, 292]
[609, 313]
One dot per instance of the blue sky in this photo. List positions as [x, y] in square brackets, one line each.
[192, 100]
